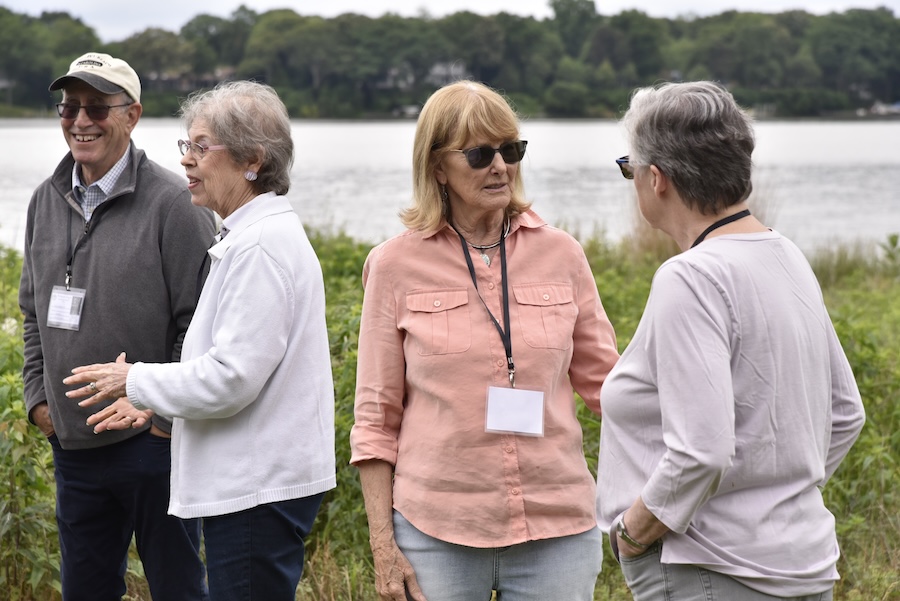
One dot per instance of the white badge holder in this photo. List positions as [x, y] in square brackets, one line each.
[65, 308]
[515, 411]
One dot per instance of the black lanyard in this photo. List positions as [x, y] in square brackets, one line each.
[503, 331]
[720, 223]
[70, 252]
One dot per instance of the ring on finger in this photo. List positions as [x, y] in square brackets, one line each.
[93, 387]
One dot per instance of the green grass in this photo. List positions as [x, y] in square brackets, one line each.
[862, 291]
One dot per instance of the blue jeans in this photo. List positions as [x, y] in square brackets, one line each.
[651, 580]
[106, 494]
[257, 554]
[555, 568]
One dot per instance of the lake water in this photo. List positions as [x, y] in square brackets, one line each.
[819, 183]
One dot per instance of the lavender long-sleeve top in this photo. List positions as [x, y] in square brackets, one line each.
[729, 410]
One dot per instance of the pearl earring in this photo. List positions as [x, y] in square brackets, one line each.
[250, 176]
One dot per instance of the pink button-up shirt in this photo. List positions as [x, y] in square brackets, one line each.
[428, 353]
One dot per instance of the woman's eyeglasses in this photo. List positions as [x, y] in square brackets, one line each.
[95, 112]
[480, 157]
[625, 167]
[197, 150]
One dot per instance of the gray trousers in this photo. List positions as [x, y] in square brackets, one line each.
[650, 580]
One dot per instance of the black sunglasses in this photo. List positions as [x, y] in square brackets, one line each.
[625, 167]
[95, 112]
[482, 156]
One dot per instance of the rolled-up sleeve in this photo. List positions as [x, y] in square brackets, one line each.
[380, 375]
[690, 349]
[594, 340]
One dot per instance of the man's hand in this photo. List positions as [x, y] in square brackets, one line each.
[40, 415]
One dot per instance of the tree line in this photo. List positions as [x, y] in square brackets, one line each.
[578, 63]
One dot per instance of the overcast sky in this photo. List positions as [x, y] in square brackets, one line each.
[116, 21]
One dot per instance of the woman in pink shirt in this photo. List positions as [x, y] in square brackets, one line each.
[477, 323]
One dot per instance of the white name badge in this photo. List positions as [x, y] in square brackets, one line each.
[511, 410]
[65, 308]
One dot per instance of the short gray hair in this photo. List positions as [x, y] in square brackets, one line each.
[252, 122]
[697, 135]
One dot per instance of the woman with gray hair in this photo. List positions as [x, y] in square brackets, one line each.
[252, 398]
[734, 402]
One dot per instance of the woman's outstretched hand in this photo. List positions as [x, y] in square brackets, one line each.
[105, 381]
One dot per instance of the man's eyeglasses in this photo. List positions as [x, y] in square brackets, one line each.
[625, 167]
[95, 112]
[197, 150]
[482, 156]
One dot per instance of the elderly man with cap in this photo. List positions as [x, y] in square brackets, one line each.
[113, 260]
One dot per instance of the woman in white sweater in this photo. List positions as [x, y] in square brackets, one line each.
[734, 402]
[252, 398]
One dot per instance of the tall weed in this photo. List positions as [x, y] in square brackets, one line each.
[863, 493]
[29, 551]
[342, 528]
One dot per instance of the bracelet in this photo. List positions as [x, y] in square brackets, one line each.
[620, 530]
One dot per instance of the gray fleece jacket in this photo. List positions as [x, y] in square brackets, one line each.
[138, 260]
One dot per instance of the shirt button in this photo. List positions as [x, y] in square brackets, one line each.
[437, 303]
[515, 491]
[500, 363]
[546, 297]
[509, 449]
[491, 286]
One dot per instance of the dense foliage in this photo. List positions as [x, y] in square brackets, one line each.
[577, 64]
[862, 293]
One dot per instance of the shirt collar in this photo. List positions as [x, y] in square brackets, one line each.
[528, 219]
[264, 205]
[106, 182]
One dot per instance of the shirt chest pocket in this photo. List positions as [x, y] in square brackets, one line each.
[438, 321]
[547, 314]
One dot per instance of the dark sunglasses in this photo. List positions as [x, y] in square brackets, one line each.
[482, 156]
[625, 167]
[95, 112]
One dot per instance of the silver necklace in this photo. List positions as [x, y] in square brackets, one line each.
[482, 248]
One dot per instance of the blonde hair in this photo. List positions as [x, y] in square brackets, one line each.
[453, 114]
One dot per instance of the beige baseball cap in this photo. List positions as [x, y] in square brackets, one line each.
[103, 73]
